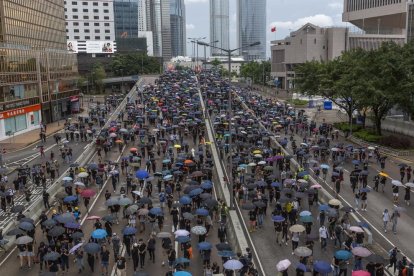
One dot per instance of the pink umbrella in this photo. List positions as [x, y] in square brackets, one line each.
[361, 252]
[93, 218]
[356, 229]
[88, 193]
[360, 273]
[316, 186]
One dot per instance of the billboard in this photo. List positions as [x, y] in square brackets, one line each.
[99, 47]
[72, 46]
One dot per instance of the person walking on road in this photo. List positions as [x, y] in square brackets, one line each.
[394, 220]
[151, 247]
[142, 248]
[104, 260]
[323, 237]
[135, 256]
[393, 258]
[385, 219]
[91, 262]
[121, 266]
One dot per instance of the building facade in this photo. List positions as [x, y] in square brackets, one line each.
[90, 26]
[219, 25]
[378, 21]
[251, 28]
[308, 43]
[38, 76]
[178, 31]
[126, 18]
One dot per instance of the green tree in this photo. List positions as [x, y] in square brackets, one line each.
[215, 62]
[258, 71]
[133, 64]
[98, 75]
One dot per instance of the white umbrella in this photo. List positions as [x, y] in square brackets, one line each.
[83, 174]
[233, 265]
[283, 265]
[24, 240]
[137, 193]
[409, 184]
[181, 232]
[396, 183]
[252, 164]
[78, 183]
[199, 230]
[73, 249]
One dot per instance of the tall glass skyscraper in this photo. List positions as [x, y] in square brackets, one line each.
[126, 18]
[251, 25]
[219, 25]
[177, 20]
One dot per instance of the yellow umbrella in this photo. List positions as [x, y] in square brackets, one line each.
[208, 143]
[177, 146]
[384, 174]
[82, 170]
[257, 152]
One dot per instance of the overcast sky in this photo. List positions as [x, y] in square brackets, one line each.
[286, 15]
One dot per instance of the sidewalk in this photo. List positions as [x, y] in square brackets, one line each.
[21, 141]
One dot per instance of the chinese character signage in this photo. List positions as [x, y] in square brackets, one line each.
[19, 111]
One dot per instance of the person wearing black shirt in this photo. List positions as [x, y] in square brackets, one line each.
[121, 266]
[135, 256]
[104, 259]
[142, 249]
[91, 262]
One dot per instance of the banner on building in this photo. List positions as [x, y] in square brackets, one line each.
[99, 47]
[72, 46]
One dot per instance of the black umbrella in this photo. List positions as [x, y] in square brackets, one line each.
[17, 208]
[188, 216]
[27, 220]
[248, 206]
[145, 200]
[49, 223]
[15, 232]
[51, 256]
[92, 248]
[56, 231]
[375, 259]
[77, 235]
[259, 204]
[108, 218]
[223, 247]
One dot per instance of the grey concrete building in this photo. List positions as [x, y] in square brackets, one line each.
[178, 34]
[308, 43]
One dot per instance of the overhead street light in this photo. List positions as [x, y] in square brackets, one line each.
[230, 159]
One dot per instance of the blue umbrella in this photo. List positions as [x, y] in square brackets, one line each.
[323, 207]
[141, 174]
[356, 162]
[275, 184]
[182, 261]
[202, 212]
[70, 199]
[129, 231]
[92, 248]
[335, 173]
[185, 200]
[167, 177]
[156, 211]
[305, 213]
[226, 253]
[206, 185]
[365, 190]
[93, 166]
[343, 254]
[306, 219]
[182, 273]
[324, 166]
[322, 267]
[195, 192]
[302, 267]
[99, 234]
[166, 161]
[302, 174]
[278, 218]
[72, 225]
[204, 246]
[183, 239]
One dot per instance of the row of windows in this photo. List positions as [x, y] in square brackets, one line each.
[96, 24]
[355, 5]
[87, 17]
[86, 10]
[96, 31]
[75, 3]
[87, 37]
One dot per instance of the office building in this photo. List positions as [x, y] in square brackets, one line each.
[251, 28]
[38, 76]
[178, 34]
[308, 43]
[377, 21]
[219, 25]
[90, 26]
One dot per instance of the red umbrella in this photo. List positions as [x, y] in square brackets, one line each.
[88, 193]
[133, 149]
[93, 218]
[360, 273]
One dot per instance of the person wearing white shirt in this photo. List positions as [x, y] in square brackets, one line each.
[323, 236]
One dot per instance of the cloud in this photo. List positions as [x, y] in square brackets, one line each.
[320, 20]
[189, 26]
[194, 1]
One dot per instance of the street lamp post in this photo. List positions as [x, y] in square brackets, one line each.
[195, 41]
[230, 160]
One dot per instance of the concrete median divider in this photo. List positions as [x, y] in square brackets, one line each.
[36, 207]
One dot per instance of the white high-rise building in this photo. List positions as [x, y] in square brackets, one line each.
[142, 16]
[90, 26]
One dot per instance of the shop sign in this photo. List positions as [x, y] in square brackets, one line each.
[19, 111]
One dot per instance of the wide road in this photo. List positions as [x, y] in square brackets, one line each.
[10, 263]
[377, 201]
